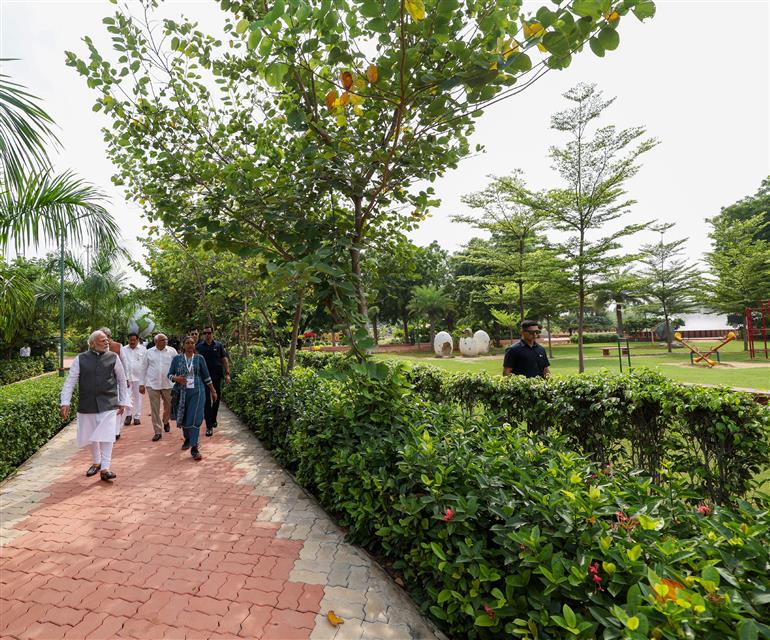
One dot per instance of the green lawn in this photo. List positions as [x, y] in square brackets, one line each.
[739, 370]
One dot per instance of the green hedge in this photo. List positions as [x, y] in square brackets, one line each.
[20, 369]
[716, 438]
[502, 532]
[594, 338]
[29, 417]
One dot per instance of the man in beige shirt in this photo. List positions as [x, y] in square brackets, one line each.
[154, 380]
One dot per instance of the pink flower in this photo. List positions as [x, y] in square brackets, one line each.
[449, 514]
[489, 611]
[704, 510]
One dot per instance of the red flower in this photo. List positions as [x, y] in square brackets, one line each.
[704, 510]
[593, 570]
[489, 611]
[449, 514]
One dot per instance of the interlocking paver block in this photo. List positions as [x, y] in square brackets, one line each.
[230, 547]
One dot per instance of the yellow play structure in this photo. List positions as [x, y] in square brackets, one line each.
[704, 357]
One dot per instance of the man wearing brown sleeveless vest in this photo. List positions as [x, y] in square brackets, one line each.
[102, 395]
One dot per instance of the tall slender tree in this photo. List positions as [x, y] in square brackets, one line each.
[595, 165]
[670, 281]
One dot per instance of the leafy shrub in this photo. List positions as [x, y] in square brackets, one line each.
[593, 338]
[29, 417]
[502, 532]
[718, 437]
[19, 369]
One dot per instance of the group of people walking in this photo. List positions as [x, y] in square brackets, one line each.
[112, 379]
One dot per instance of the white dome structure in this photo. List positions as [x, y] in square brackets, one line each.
[482, 341]
[443, 345]
[468, 346]
[141, 322]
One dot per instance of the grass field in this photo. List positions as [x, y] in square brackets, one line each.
[737, 370]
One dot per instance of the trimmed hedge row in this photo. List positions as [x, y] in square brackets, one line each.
[20, 369]
[594, 338]
[719, 439]
[29, 417]
[501, 532]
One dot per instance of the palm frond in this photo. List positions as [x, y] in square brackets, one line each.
[25, 131]
[45, 208]
[17, 301]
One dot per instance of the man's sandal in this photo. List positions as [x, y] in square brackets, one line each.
[93, 470]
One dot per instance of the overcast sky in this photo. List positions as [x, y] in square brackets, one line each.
[697, 77]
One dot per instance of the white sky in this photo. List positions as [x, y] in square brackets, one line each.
[697, 76]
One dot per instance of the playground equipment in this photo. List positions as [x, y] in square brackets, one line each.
[757, 321]
[704, 357]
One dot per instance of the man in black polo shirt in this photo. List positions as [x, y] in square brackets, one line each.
[218, 364]
[526, 357]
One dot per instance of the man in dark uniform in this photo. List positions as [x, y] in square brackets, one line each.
[526, 357]
[218, 364]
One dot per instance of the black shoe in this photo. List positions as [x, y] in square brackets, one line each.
[93, 470]
[127, 421]
[186, 444]
[156, 437]
[166, 427]
[137, 421]
[108, 475]
[196, 454]
[117, 437]
[209, 431]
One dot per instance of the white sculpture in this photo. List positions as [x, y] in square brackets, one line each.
[442, 344]
[482, 341]
[468, 346]
[141, 322]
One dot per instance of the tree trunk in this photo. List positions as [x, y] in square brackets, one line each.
[375, 330]
[355, 260]
[581, 318]
[548, 329]
[668, 332]
[405, 320]
[521, 301]
[619, 318]
[295, 332]
[432, 331]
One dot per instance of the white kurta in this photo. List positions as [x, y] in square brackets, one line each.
[95, 427]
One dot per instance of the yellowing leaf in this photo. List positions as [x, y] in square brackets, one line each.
[650, 524]
[344, 98]
[356, 99]
[346, 79]
[331, 98]
[613, 16]
[372, 74]
[634, 553]
[358, 110]
[334, 618]
[416, 9]
[633, 623]
[533, 30]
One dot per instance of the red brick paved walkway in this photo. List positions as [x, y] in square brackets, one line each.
[222, 548]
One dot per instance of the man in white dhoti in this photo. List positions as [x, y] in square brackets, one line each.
[116, 348]
[135, 353]
[102, 397]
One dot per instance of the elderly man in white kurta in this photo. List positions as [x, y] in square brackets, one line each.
[102, 396]
[155, 381]
[135, 354]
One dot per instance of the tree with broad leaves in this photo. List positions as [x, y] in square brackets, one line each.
[670, 281]
[431, 304]
[739, 265]
[320, 106]
[595, 166]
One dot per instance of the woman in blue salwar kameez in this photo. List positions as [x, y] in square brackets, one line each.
[188, 372]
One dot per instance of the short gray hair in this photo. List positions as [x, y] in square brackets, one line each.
[106, 331]
[94, 335]
[159, 335]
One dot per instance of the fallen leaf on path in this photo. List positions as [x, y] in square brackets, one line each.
[334, 618]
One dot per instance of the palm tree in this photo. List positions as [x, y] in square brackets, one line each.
[430, 303]
[621, 287]
[37, 206]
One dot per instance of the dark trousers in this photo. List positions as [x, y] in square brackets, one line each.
[212, 408]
